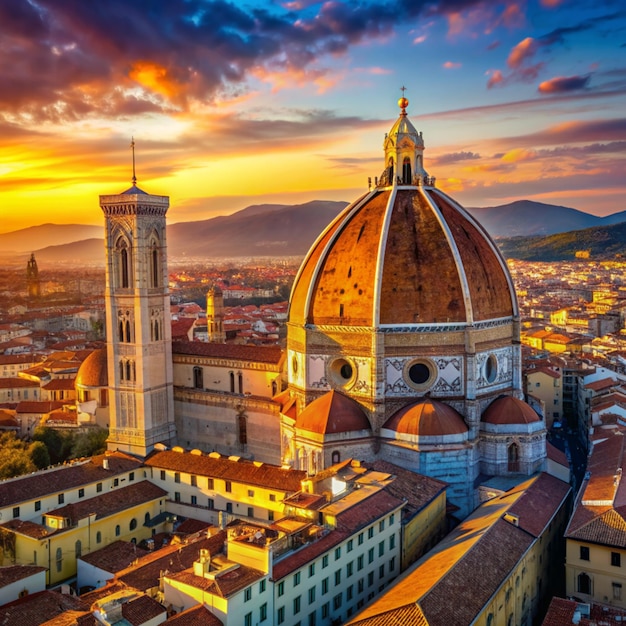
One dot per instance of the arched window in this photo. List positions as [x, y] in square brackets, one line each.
[128, 371]
[118, 530]
[59, 559]
[121, 330]
[243, 428]
[156, 330]
[232, 382]
[98, 537]
[146, 518]
[390, 171]
[154, 262]
[124, 268]
[406, 171]
[133, 524]
[584, 584]
[78, 547]
[198, 378]
[274, 388]
[127, 331]
[240, 382]
[513, 456]
[336, 457]
[122, 370]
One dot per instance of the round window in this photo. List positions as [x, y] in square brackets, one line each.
[491, 368]
[420, 374]
[342, 372]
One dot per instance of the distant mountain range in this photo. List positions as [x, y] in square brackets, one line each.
[289, 230]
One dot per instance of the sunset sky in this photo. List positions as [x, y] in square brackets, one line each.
[248, 102]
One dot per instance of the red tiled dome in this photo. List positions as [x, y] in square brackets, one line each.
[427, 418]
[333, 413]
[93, 370]
[509, 410]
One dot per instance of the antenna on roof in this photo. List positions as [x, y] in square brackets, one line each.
[132, 145]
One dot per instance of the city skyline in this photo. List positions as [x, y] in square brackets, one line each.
[232, 105]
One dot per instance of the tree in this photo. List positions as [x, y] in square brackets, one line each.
[89, 443]
[39, 454]
[14, 458]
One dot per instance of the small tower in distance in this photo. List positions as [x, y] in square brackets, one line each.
[32, 277]
[215, 315]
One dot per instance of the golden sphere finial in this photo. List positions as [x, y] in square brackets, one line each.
[403, 103]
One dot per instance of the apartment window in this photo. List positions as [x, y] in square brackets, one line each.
[272, 497]
[193, 480]
[177, 496]
[616, 559]
[325, 610]
[359, 563]
[392, 542]
[262, 585]
[210, 503]
[370, 579]
[349, 545]
[281, 588]
[228, 486]
[370, 532]
[360, 538]
[617, 591]
[176, 477]
[81, 493]
[296, 579]
[247, 594]
[370, 555]
[381, 525]
[337, 601]
[229, 507]
[392, 563]
[349, 592]
[194, 500]
[311, 595]
[311, 570]
[247, 619]
[263, 612]
[209, 483]
[38, 505]
[116, 482]
[392, 518]
[16, 511]
[131, 477]
[338, 577]
[250, 493]
[361, 585]
[337, 554]
[296, 605]
[349, 569]
[133, 524]
[162, 474]
[381, 548]
[324, 586]
[584, 553]
[312, 615]
[280, 615]
[381, 571]
[325, 561]
[270, 516]
[61, 498]
[98, 537]
[250, 511]
[98, 487]
[118, 530]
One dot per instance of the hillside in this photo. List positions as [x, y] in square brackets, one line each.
[44, 235]
[600, 242]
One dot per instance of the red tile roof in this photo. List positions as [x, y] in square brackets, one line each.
[509, 410]
[195, 616]
[427, 418]
[138, 611]
[258, 354]
[115, 557]
[242, 471]
[333, 413]
[30, 610]
[12, 573]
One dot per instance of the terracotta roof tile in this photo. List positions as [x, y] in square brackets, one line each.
[93, 370]
[140, 610]
[12, 573]
[242, 471]
[115, 557]
[258, 354]
[333, 413]
[195, 616]
[509, 410]
[28, 611]
[427, 418]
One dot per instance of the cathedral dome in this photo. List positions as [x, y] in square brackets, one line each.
[403, 254]
[426, 418]
[331, 414]
[93, 370]
[507, 410]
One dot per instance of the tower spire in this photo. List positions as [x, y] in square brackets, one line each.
[132, 146]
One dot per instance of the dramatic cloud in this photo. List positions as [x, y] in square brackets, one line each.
[520, 53]
[562, 84]
[455, 157]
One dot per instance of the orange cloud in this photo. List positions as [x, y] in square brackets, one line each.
[522, 51]
[451, 65]
[154, 77]
[519, 154]
[496, 78]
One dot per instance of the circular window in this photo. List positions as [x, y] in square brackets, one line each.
[491, 368]
[342, 372]
[420, 374]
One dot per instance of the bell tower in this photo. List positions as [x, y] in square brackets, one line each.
[138, 326]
